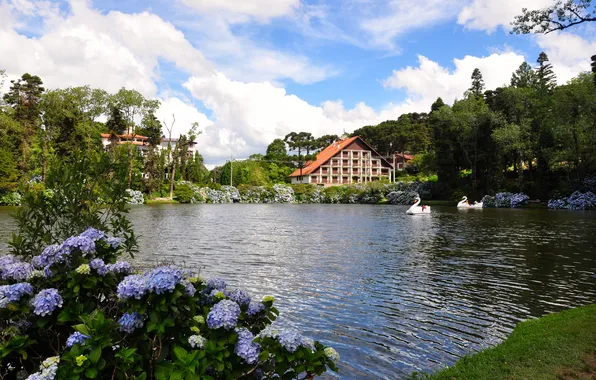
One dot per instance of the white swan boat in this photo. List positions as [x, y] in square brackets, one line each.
[465, 204]
[415, 209]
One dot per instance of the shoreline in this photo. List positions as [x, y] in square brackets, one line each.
[560, 345]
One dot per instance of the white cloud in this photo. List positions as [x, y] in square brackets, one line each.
[490, 14]
[430, 80]
[248, 116]
[105, 51]
[569, 53]
[185, 114]
[260, 9]
[403, 16]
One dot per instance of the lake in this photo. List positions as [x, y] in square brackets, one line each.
[392, 293]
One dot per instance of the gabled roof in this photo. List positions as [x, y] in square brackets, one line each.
[407, 157]
[329, 152]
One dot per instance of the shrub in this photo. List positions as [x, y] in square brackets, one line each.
[402, 197]
[183, 193]
[505, 200]
[76, 312]
[135, 197]
[576, 201]
[88, 192]
[10, 199]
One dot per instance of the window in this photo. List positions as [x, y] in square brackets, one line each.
[313, 179]
[345, 162]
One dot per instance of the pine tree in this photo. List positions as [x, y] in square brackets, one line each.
[545, 77]
[437, 105]
[524, 76]
[477, 83]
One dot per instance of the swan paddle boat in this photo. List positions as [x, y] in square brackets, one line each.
[415, 209]
[465, 204]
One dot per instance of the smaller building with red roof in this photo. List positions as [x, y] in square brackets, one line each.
[344, 162]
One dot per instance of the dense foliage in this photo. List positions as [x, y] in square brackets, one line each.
[75, 312]
[505, 200]
[370, 193]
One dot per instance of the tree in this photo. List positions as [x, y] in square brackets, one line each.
[300, 142]
[545, 77]
[116, 125]
[153, 168]
[477, 83]
[561, 15]
[437, 105]
[326, 140]
[276, 151]
[524, 76]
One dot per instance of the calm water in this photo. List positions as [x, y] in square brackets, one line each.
[392, 293]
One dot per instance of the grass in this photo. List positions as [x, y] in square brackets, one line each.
[556, 346]
[161, 201]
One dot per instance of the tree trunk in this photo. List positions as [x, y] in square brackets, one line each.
[172, 180]
[130, 162]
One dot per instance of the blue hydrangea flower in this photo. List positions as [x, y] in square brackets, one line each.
[224, 314]
[114, 242]
[216, 283]
[163, 279]
[47, 370]
[240, 296]
[76, 338]
[132, 286]
[308, 343]
[245, 347]
[99, 266]
[47, 257]
[120, 267]
[130, 321]
[94, 234]
[16, 271]
[47, 272]
[189, 289]
[254, 308]
[196, 341]
[13, 293]
[7, 259]
[269, 332]
[46, 301]
[84, 243]
[290, 339]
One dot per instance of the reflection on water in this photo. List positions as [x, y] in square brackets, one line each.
[392, 293]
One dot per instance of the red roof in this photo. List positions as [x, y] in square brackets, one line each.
[407, 157]
[329, 152]
[128, 136]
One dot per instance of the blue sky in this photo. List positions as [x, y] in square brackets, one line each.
[251, 71]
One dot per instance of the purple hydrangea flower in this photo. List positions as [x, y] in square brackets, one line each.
[13, 293]
[216, 283]
[246, 348]
[16, 271]
[120, 267]
[254, 308]
[163, 279]
[224, 314]
[76, 338]
[240, 296]
[130, 321]
[290, 339]
[47, 257]
[196, 341]
[46, 301]
[94, 234]
[47, 272]
[114, 242]
[99, 266]
[133, 286]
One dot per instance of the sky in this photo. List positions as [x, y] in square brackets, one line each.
[250, 71]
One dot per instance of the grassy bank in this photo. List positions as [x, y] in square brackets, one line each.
[556, 346]
[161, 201]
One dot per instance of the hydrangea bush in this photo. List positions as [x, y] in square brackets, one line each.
[10, 199]
[505, 200]
[135, 197]
[74, 311]
[576, 201]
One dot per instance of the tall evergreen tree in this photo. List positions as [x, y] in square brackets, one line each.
[477, 83]
[437, 105]
[524, 76]
[545, 77]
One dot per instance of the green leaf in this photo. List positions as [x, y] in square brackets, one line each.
[264, 355]
[91, 373]
[180, 353]
[95, 355]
